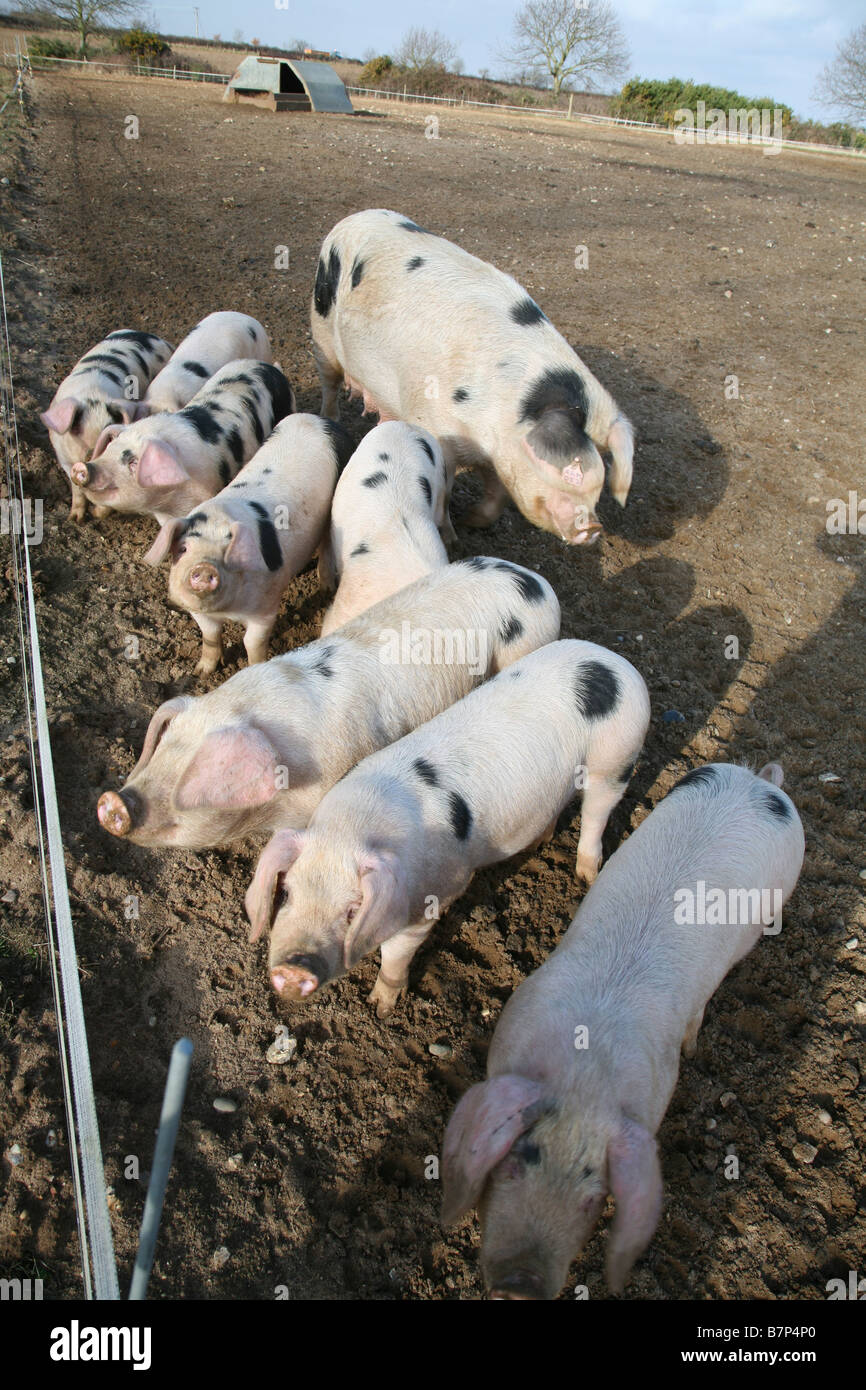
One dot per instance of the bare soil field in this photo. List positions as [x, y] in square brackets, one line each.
[703, 264]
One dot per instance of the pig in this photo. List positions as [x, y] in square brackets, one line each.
[428, 333]
[262, 750]
[389, 507]
[166, 464]
[96, 394]
[219, 339]
[585, 1056]
[393, 844]
[235, 556]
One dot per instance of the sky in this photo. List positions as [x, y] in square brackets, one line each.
[760, 48]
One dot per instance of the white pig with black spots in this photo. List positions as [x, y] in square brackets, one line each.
[233, 558]
[411, 825]
[262, 749]
[166, 464]
[104, 388]
[389, 508]
[220, 338]
[428, 333]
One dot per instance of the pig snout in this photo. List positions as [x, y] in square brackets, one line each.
[587, 532]
[204, 579]
[116, 812]
[80, 473]
[299, 976]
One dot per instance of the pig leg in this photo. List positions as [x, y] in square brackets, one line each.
[256, 638]
[327, 568]
[393, 977]
[690, 1041]
[211, 644]
[102, 512]
[599, 799]
[330, 377]
[78, 507]
[490, 508]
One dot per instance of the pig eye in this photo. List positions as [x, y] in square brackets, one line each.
[352, 912]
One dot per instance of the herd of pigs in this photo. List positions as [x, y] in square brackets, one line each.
[386, 761]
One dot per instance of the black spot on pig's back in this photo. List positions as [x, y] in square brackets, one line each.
[597, 689]
[526, 313]
[203, 422]
[704, 778]
[278, 388]
[327, 280]
[528, 586]
[776, 805]
[341, 441]
[459, 815]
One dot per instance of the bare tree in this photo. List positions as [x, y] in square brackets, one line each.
[843, 82]
[568, 39]
[84, 16]
[425, 48]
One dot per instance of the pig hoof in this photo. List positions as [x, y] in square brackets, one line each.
[101, 512]
[587, 867]
[77, 514]
[206, 666]
[384, 997]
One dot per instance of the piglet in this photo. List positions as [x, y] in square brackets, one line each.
[219, 339]
[235, 556]
[262, 749]
[389, 507]
[166, 464]
[104, 388]
[400, 837]
[585, 1057]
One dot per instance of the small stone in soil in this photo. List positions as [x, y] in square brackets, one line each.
[225, 1105]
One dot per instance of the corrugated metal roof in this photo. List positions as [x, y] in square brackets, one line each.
[320, 81]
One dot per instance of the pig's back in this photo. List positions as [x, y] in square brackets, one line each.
[424, 308]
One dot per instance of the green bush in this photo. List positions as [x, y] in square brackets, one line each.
[373, 72]
[141, 43]
[652, 100]
[39, 47]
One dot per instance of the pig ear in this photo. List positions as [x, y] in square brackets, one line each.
[165, 542]
[277, 857]
[132, 410]
[546, 469]
[159, 466]
[772, 772]
[384, 909]
[243, 551]
[480, 1133]
[635, 1182]
[167, 711]
[620, 442]
[59, 416]
[234, 767]
[110, 432]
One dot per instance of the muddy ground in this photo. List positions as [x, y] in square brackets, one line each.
[704, 264]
